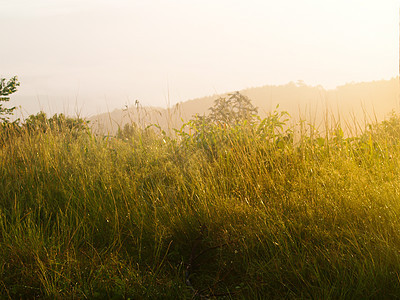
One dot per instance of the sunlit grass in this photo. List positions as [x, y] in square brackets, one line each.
[240, 211]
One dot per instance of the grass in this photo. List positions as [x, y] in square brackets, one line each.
[251, 211]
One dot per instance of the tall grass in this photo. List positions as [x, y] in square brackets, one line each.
[247, 211]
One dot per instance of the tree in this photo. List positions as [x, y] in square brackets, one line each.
[232, 110]
[129, 131]
[7, 88]
[58, 122]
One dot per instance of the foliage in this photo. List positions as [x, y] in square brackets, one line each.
[389, 128]
[58, 122]
[7, 88]
[247, 211]
[232, 110]
[230, 122]
[128, 131]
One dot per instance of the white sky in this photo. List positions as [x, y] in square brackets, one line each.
[98, 55]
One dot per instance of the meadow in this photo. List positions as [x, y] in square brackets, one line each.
[232, 207]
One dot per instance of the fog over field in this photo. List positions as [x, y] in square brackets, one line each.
[96, 56]
[363, 103]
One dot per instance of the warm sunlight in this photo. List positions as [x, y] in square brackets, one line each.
[187, 149]
[100, 55]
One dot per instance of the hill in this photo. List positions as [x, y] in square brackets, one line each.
[366, 101]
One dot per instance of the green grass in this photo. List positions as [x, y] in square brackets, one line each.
[245, 212]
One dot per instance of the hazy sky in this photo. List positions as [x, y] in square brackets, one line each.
[98, 55]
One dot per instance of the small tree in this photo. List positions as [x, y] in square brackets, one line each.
[6, 89]
[58, 122]
[128, 131]
[232, 110]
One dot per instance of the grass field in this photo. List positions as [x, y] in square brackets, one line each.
[252, 211]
